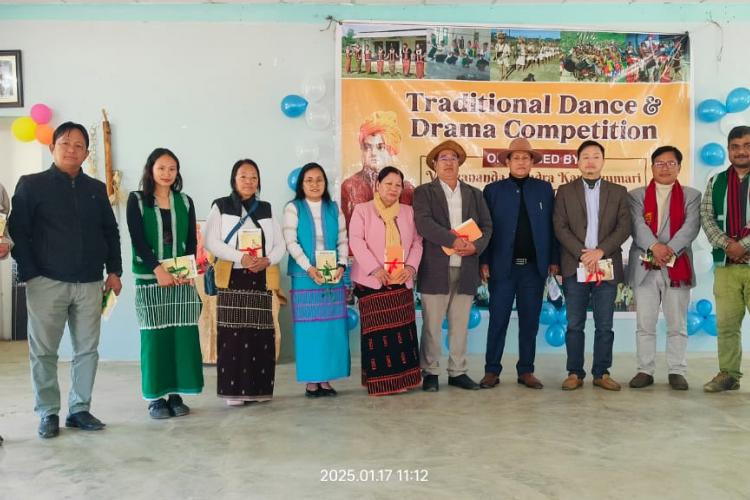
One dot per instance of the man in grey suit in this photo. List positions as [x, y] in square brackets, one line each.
[448, 283]
[666, 220]
[591, 221]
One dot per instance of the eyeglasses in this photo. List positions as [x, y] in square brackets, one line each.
[666, 164]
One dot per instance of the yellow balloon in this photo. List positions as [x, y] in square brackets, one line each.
[24, 129]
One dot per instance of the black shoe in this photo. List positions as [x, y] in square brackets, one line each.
[85, 421]
[314, 394]
[176, 407]
[678, 382]
[430, 383]
[464, 382]
[327, 391]
[158, 409]
[49, 427]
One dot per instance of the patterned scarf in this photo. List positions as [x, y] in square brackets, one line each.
[389, 214]
[735, 227]
[680, 273]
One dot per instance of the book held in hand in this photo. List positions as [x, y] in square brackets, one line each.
[3, 220]
[250, 241]
[467, 230]
[606, 272]
[181, 267]
[109, 300]
[325, 262]
[394, 259]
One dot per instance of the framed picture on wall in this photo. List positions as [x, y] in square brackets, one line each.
[11, 84]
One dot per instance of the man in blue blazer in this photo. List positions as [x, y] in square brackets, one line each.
[521, 253]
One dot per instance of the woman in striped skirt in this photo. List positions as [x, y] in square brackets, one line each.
[313, 223]
[161, 221]
[240, 230]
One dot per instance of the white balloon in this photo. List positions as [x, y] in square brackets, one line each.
[703, 262]
[317, 117]
[307, 151]
[314, 88]
[731, 120]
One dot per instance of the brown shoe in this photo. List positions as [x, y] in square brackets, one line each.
[677, 382]
[489, 381]
[641, 380]
[572, 383]
[606, 382]
[530, 381]
[722, 382]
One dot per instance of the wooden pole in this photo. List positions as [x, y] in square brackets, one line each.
[107, 132]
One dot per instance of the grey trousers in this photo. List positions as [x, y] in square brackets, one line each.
[50, 305]
[434, 309]
[649, 295]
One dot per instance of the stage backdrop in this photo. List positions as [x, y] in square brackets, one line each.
[405, 88]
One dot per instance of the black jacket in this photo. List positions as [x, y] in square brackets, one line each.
[63, 228]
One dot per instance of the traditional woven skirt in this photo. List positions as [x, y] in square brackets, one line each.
[389, 345]
[171, 360]
[321, 339]
[246, 361]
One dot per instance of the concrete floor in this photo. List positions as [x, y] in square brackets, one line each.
[508, 442]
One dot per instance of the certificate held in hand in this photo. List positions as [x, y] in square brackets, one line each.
[250, 241]
[183, 267]
[394, 259]
[467, 230]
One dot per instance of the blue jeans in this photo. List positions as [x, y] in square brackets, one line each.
[602, 298]
[525, 286]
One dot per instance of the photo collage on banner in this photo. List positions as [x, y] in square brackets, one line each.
[406, 88]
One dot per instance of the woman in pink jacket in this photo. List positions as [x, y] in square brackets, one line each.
[387, 250]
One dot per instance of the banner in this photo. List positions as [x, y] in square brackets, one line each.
[406, 88]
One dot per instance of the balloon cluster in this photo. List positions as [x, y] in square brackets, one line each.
[317, 116]
[699, 318]
[713, 110]
[557, 321]
[36, 126]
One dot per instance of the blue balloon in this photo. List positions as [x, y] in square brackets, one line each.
[738, 100]
[555, 335]
[561, 315]
[704, 307]
[710, 110]
[709, 325]
[694, 323]
[352, 318]
[293, 105]
[291, 179]
[475, 317]
[548, 315]
[713, 154]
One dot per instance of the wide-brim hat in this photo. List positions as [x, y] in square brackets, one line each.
[519, 144]
[453, 146]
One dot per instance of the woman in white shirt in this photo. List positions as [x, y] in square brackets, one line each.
[241, 230]
[315, 234]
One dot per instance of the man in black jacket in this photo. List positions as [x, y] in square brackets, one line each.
[65, 233]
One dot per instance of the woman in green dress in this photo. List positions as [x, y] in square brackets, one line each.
[161, 221]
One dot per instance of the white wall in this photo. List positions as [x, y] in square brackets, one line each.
[211, 92]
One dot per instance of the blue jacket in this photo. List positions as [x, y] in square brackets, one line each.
[503, 199]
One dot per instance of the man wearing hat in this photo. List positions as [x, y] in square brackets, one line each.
[502, 55]
[520, 255]
[448, 283]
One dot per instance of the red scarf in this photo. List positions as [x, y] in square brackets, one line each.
[680, 273]
[737, 230]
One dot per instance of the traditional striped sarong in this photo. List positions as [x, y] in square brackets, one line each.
[389, 342]
[246, 361]
[170, 349]
[321, 339]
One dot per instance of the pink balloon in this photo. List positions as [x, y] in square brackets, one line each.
[41, 113]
